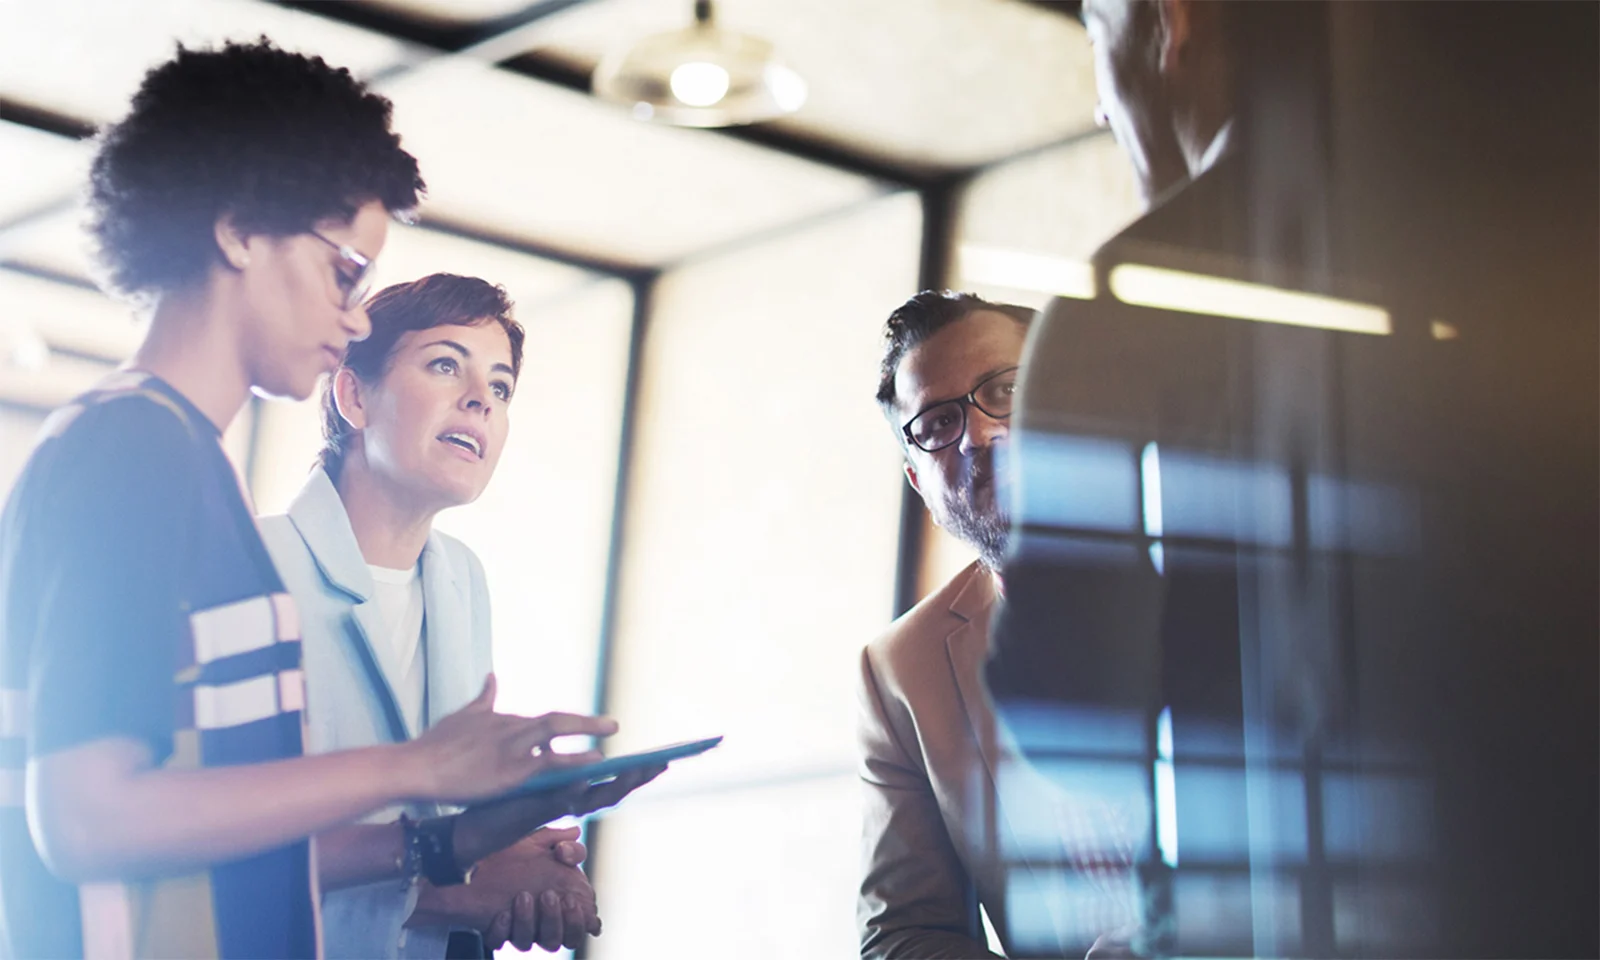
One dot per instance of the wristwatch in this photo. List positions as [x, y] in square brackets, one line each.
[430, 852]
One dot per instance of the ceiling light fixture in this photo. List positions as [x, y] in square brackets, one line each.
[701, 76]
[1165, 289]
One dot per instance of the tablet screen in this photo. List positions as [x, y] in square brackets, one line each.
[607, 769]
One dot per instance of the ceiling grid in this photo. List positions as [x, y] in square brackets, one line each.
[526, 169]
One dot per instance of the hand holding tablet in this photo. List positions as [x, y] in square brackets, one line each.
[577, 791]
[605, 770]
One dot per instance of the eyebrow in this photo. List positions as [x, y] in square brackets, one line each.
[467, 354]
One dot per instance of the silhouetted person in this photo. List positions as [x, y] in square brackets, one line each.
[1347, 565]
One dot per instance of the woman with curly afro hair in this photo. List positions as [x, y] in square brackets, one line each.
[155, 799]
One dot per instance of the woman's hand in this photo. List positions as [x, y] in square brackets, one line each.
[531, 892]
[476, 753]
[484, 829]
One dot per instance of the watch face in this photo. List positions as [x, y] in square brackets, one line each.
[434, 841]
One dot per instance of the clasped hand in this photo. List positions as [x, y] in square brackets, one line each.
[527, 887]
[530, 892]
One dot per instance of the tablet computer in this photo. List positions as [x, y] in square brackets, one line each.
[602, 770]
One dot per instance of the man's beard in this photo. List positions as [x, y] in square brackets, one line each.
[974, 513]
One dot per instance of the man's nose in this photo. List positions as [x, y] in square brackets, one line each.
[982, 431]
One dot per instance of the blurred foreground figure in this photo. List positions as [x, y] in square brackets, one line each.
[952, 819]
[1302, 571]
[155, 798]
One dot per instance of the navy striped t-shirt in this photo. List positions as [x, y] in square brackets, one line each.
[138, 602]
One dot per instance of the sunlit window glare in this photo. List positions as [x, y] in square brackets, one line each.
[1018, 270]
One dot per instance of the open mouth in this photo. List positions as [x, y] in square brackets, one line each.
[465, 441]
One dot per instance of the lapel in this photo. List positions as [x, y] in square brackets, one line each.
[445, 611]
[967, 646]
[320, 519]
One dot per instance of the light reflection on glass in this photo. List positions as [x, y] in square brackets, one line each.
[1166, 791]
[1150, 484]
[1077, 482]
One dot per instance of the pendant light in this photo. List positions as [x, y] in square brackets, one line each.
[700, 76]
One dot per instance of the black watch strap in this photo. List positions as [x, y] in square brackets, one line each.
[433, 841]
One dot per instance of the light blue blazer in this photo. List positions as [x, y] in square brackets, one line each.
[350, 699]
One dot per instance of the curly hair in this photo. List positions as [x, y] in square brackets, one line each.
[920, 318]
[434, 301]
[276, 139]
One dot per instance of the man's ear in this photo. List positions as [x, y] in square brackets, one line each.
[233, 243]
[1177, 26]
[347, 398]
[911, 477]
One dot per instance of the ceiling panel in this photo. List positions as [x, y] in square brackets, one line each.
[55, 244]
[413, 252]
[69, 318]
[541, 164]
[84, 58]
[1063, 202]
[934, 83]
[922, 83]
[37, 169]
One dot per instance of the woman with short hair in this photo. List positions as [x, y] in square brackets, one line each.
[395, 614]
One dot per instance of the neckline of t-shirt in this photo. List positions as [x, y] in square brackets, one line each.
[177, 396]
[392, 576]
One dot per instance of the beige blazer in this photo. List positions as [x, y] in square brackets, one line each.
[938, 837]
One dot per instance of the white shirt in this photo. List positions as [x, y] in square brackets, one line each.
[398, 594]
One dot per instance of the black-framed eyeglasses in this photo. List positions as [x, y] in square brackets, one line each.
[355, 281]
[944, 423]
